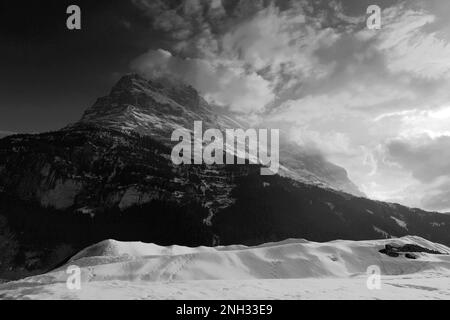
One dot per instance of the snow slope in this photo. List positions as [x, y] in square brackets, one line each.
[291, 269]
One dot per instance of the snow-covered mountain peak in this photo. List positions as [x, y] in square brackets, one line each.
[158, 106]
[152, 107]
[128, 81]
[174, 89]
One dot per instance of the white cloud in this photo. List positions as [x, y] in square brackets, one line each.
[222, 84]
[245, 65]
[409, 47]
[412, 123]
[277, 40]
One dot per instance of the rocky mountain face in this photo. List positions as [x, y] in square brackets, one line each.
[110, 176]
[157, 108]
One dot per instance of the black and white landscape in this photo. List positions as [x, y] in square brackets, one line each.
[364, 173]
[291, 269]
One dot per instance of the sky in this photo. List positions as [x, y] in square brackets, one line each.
[376, 102]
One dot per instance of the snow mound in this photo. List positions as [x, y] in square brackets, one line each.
[288, 269]
[290, 259]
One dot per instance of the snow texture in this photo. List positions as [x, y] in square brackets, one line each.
[292, 269]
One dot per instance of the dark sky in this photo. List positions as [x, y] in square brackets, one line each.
[48, 74]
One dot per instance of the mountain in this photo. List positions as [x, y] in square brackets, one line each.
[110, 176]
[157, 108]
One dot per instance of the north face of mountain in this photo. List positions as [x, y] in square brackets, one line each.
[157, 107]
[154, 108]
[91, 170]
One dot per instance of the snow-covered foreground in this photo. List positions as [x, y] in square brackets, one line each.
[292, 269]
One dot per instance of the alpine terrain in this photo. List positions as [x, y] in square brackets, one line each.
[110, 176]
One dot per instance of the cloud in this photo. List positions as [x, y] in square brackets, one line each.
[425, 157]
[221, 84]
[245, 64]
[432, 122]
[409, 47]
[177, 20]
[438, 199]
[279, 43]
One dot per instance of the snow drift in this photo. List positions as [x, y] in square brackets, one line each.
[289, 259]
[137, 263]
